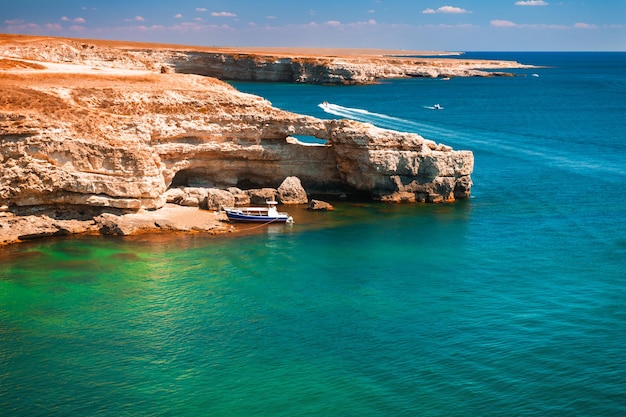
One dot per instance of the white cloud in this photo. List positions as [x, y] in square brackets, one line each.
[178, 16]
[503, 24]
[54, 27]
[582, 25]
[509, 24]
[444, 26]
[153, 28]
[531, 3]
[135, 19]
[223, 14]
[75, 20]
[201, 9]
[451, 9]
[370, 22]
[19, 25]
[445, 9]
[333, 23]
[270, 17]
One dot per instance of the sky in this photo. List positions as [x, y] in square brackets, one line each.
[425, 25]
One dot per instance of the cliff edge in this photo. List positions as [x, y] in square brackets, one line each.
[113, 133]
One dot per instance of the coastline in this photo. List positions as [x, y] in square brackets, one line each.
[167, 219]
[93, 128]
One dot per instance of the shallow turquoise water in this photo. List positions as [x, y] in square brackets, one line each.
[512, 303]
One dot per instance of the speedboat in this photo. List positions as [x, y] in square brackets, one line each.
[269, 214]
[437, 107]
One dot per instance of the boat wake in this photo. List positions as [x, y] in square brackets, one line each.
[381, 120]
[471, 138]
[360, 114]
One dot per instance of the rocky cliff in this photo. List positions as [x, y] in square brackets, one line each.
[322, 70]
[313, 66]
[117, 133]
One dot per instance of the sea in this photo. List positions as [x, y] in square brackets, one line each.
[511, 303]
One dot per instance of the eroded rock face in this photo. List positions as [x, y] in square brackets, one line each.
[323, 70]
[113, 139]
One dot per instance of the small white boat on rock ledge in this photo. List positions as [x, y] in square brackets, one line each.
[269, 214]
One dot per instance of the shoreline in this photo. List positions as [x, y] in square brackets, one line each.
[90, 142]
[15, 229]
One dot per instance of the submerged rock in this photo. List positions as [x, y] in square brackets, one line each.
[318, 205]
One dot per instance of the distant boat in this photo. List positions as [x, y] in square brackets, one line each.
[267, 214]
[437, 107]
[535, 75]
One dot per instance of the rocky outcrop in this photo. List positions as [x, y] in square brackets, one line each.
[326, 70]
[94, 140]
[296, 66]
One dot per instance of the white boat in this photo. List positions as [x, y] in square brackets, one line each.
[437, 107]
[269, 214]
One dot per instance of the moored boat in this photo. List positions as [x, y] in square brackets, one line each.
[269, 214]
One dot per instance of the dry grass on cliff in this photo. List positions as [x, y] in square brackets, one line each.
[27, 100]
[60, 79]
[6, 64]
[91, 102]
[268, 51]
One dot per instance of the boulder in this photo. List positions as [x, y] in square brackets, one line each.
[174, 195]
[318, 205]
[217, 199]
[259, 196]
[292, 192]
[241, 198]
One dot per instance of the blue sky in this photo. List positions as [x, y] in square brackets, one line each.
[443, 25]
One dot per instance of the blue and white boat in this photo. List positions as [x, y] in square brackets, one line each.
[269, 214]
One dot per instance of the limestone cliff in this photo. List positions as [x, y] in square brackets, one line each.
[313, 66]
[324, 70]
[118, 136]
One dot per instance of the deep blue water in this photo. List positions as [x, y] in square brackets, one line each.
[510, 304]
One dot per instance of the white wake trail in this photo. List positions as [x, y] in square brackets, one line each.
[489, 141]
[386, 121]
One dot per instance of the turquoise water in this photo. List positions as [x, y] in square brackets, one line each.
[511, 303]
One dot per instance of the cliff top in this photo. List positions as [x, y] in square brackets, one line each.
[279, 51]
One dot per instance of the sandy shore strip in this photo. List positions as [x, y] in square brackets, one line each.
[170, 218]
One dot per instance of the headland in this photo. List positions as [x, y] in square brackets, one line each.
[104, 136]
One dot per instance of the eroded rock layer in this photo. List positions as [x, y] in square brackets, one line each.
[116, 134]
